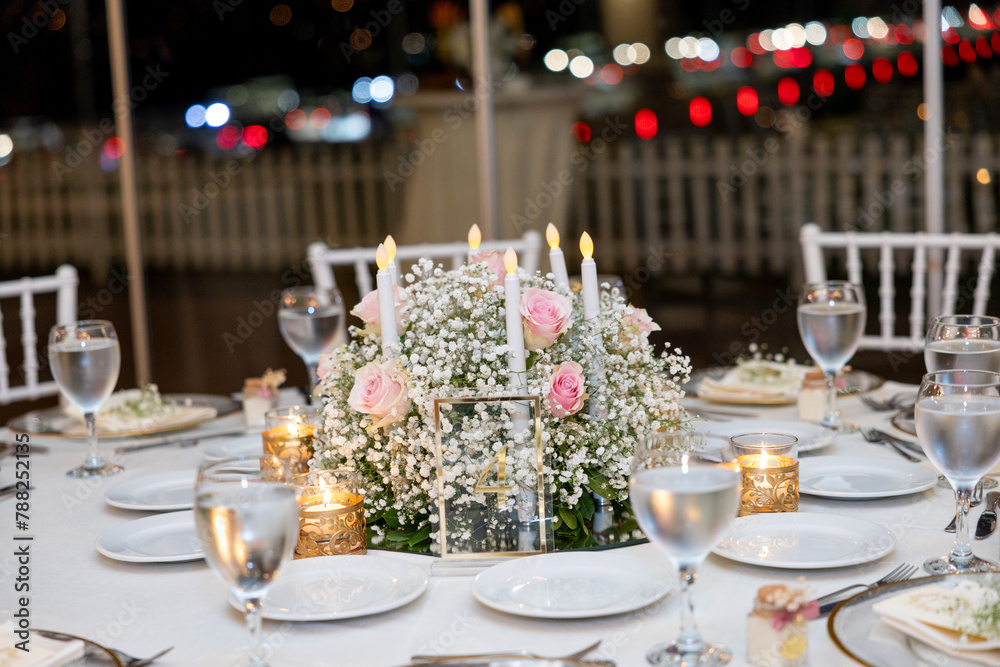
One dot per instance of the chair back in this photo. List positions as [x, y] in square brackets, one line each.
[322, 259]
[955, 297]
[64, 283]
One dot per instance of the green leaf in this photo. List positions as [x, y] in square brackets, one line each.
[568, 517]
[599, 484]
[586, 506]
[397, 537]
[419, 536]
[391, 518]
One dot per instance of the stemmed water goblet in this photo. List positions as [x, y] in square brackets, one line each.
[969, 342]
[247, 519]
[958, 425]
[85, 357]
[683, 504]
[311, 320]
[831, 318]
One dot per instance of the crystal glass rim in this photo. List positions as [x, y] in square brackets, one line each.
[828, 283]
[290, 411]
[794, 439]
[986, 379]
[82, 325]
[970, 320]
[243, 458]
[300, 290]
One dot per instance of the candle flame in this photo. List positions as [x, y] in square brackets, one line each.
[475, 237]
[552, 236]
[382, 257]
[390, 247]
[510, 260]
[587, 246]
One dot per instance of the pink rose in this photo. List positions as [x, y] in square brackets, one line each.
[493, 261]
[567, 389]
[380, 391]
[639, 323]
[546, 316]
[367, 312]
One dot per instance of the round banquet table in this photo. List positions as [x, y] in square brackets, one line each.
[142, 608]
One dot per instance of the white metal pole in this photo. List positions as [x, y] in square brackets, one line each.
[933, 149]
[486, 136]
[129, 189]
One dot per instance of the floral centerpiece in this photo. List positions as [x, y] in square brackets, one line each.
[601, 382]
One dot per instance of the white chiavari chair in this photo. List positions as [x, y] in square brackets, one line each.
[323, 259]
[971, 295]
[64, 283]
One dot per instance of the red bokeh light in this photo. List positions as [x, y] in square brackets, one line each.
[854, 49]
[983, 48]
[581, 131]
[700, 111]
[854, 77]
[948, 56]
[255, 136]
[882, 70]
[906, 64]
[840, 34]
[782, 59]
[611, 74]
[753, 43]
[788, 91]
[295, 119]
[741, 57]
[690, 64]
[227, 137]
[823, 82]
[645, 124]
[319, 118]
[801, 57]
[995, 41]
[114, 148]
[966, 52]
[747, 100]
[903, 33]
[951, 36]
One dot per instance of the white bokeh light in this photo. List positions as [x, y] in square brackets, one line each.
[708, 50]
[815, 33]
[216, 115]
[361, 92]
[556, 60]
[620, 54]
[195, 116]
[382, 88]
[581, 67]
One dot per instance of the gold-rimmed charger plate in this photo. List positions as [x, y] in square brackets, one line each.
[50, 421]
[860, 633]
[905, 421]
[855, 382]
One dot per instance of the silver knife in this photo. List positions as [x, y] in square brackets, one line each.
[988, 519]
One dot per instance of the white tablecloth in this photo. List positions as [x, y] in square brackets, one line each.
[143, 608]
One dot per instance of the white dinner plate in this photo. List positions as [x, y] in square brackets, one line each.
[859, 478]
[244, 445]
[811, 436]
[162, 538]
[582, 584]
[328, 588]
[162, 492]
[804, 540]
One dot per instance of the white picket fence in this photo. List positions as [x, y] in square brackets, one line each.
[711, 205]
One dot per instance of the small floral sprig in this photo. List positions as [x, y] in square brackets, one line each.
[603, 387]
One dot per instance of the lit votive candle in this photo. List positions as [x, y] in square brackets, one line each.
[331, 514]
[769, 472]
[289, 434]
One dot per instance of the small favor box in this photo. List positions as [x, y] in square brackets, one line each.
[778, 627]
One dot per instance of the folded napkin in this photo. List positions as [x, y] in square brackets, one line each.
[42, 652]
[132, 410]
[955, 619]
[757, 378]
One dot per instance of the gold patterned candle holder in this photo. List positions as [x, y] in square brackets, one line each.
[331, 514]
[769, 472]
[289, 434]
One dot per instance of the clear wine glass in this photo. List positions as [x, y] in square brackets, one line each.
[85, 358]
[312, 320]
[247, 519]
[684, 504]
[963, 342]
[831, 318]
[958, 425]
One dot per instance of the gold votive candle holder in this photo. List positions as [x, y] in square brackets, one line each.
[769, 472]
[331, 514]
[289, 433]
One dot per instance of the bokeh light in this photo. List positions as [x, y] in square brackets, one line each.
[288, 100]
[319, 118]
[741, 56]
[638, 53]
[645, 124]
[341, 5]
[747, 100]
[620, 54]
[255, 136]
[6, 145]
[788, 91]
[581, 67]
[922, 111]
[195, 116]
[700, 111]
[227, 137]
[983, 176]
[361, 92]
[295, 119]
[581, 131]
[281, 15]
[854, 77]
[361, 39]
[823, 82]
[854, 49]
[764, 117]
[407, 84]
[882, 70]
[906, 64]
[382, 88]
[556, 60]
[216, 114]
[414, 43]
[815, 33]
[114, 148]
[611, 74]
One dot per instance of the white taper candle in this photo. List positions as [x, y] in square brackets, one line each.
[386, 302]
[588, 276]
[390, 247]
[557, 261]
[515, 328]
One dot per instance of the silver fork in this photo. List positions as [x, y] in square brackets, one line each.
[894, 402]
[123, 657]
[900, 573]
[974, 501]
[443, 659]
[874, 435]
